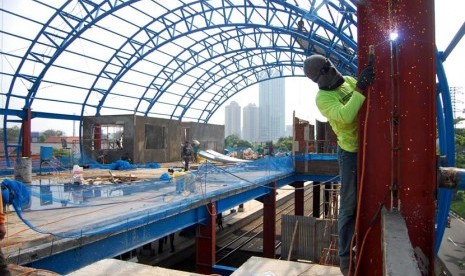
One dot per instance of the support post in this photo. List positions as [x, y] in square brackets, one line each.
[26, 129]
[205, 243]
[316, 199]
[397, 135]
[298, 198]
[269, 222]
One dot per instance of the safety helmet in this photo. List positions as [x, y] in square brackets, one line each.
[320, 70]
[315, 66]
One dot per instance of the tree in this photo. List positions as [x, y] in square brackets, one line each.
[459, 145]
[234, 141]
[284, 143]
[50, 133]
[12, 134]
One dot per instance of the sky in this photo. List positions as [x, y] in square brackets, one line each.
[300, 92]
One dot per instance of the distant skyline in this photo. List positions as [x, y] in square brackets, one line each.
[299, 96]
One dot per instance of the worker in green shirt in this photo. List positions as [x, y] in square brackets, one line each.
[339, 99]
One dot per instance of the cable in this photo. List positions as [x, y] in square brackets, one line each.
[36, 270]
[362, 181]
[360, 189]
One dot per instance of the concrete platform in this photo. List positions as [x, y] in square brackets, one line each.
[115, 267]
[263, 266]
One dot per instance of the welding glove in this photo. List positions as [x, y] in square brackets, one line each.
[366, 78]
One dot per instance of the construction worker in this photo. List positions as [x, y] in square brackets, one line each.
[339, 99]
[164, 240]
[4, 271]
[196, 146]
[186, 155]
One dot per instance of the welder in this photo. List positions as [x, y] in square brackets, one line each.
[339, 99]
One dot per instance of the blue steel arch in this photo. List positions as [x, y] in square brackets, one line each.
[269, 76]
[291, 47]
[78, 25]
[446, 135]
[142, 49]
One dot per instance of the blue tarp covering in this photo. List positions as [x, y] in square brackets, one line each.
[73, 210]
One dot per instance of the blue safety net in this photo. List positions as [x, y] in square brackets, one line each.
[76, 210]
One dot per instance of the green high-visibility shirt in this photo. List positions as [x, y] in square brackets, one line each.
[340, 106]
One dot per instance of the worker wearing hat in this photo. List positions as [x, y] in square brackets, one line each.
[186, 155]
[3, 262]
[339, 99]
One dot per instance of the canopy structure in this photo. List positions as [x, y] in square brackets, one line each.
[179, 60]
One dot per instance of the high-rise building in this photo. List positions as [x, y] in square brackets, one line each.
[232, 122]
[271, 96]
[250, 123]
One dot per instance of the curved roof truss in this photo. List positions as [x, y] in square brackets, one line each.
[180, 60]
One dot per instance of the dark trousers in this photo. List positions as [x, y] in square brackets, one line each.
[219, 221]
[186, 164]
[165, 240]
[348, 205]
[3, 265]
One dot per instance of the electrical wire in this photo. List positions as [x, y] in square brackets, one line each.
[360, 188]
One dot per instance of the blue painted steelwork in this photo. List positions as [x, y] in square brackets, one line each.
[210, 40]
[149, 229]
[461, 184]
[88, 250]
[201, 30]
[171, 33]
[76, 25]
[223, 270]
[316, 178]
[446, 134]
[107, 247]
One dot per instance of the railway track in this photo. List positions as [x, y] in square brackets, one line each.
[249, 237]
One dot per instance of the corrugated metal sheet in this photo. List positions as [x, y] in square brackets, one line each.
[313, 235]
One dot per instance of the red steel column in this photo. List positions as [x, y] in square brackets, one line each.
[399, 147]
[298, 198]
[205, 243]
[269, 222]
[26, 129]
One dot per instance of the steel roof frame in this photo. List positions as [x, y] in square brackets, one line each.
[332, 25]
[224, 24]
